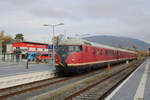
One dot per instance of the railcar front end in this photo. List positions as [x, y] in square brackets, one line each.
[66, 56]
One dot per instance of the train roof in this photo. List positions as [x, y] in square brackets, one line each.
[77, 41]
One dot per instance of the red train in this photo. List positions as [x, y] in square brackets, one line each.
[76, 56]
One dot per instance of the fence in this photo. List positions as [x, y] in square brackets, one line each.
[12, 57]
[19, 58]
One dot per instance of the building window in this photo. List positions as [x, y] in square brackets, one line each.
[17, 47]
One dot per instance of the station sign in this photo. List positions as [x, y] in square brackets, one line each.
[51, 47]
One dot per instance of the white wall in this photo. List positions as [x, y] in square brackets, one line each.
[9, 48]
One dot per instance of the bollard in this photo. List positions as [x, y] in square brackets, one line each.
[20, 58]
[108, 67]
[3, 58]
[27, 63]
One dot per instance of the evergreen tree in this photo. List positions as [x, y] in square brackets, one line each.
[19, 37]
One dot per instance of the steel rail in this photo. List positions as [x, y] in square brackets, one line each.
[10, 94]
[99, 82]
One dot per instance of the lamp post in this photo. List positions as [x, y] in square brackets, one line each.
[1, 46]
[53, 27]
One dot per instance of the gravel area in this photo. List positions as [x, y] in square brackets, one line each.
[97, 91]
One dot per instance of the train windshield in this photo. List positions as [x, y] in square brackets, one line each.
[70, 49]
[64, 51]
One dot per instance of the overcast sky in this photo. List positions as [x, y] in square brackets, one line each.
[129, 18]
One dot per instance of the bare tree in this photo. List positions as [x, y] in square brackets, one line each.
[58, 39]
[4, 40]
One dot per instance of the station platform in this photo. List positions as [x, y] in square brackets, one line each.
[11, 70]
[12, 75]
[136, 86]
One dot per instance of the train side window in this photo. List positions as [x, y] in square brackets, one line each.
[101, 51]
[97, 51]
[94, 51]
[81, 49]
[86, 49]
[106, 52]
[119, 53]
[113, 52]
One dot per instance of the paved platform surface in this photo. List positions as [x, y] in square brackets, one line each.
[136, 86]
[14, 69]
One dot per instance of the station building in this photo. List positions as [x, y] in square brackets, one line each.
[25, 47]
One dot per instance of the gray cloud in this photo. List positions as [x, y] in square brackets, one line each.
[50, 12]
[20, 2]
[114, 8]
[112, 17]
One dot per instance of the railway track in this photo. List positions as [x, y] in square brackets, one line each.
[9, 92]
[100, 89]
[14, 93]
[74, 90]
[19, 89]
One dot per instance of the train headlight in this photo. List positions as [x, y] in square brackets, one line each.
[72, 59]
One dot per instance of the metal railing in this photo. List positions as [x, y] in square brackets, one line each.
[12, 57]
[21, 59]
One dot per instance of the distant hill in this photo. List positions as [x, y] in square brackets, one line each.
[121, 42]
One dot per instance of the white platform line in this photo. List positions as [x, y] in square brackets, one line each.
[140, 90]
[116, 90]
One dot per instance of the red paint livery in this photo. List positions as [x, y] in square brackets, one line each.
[81, 57]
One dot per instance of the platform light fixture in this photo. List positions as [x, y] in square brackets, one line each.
[1, 46]
[53, 27]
